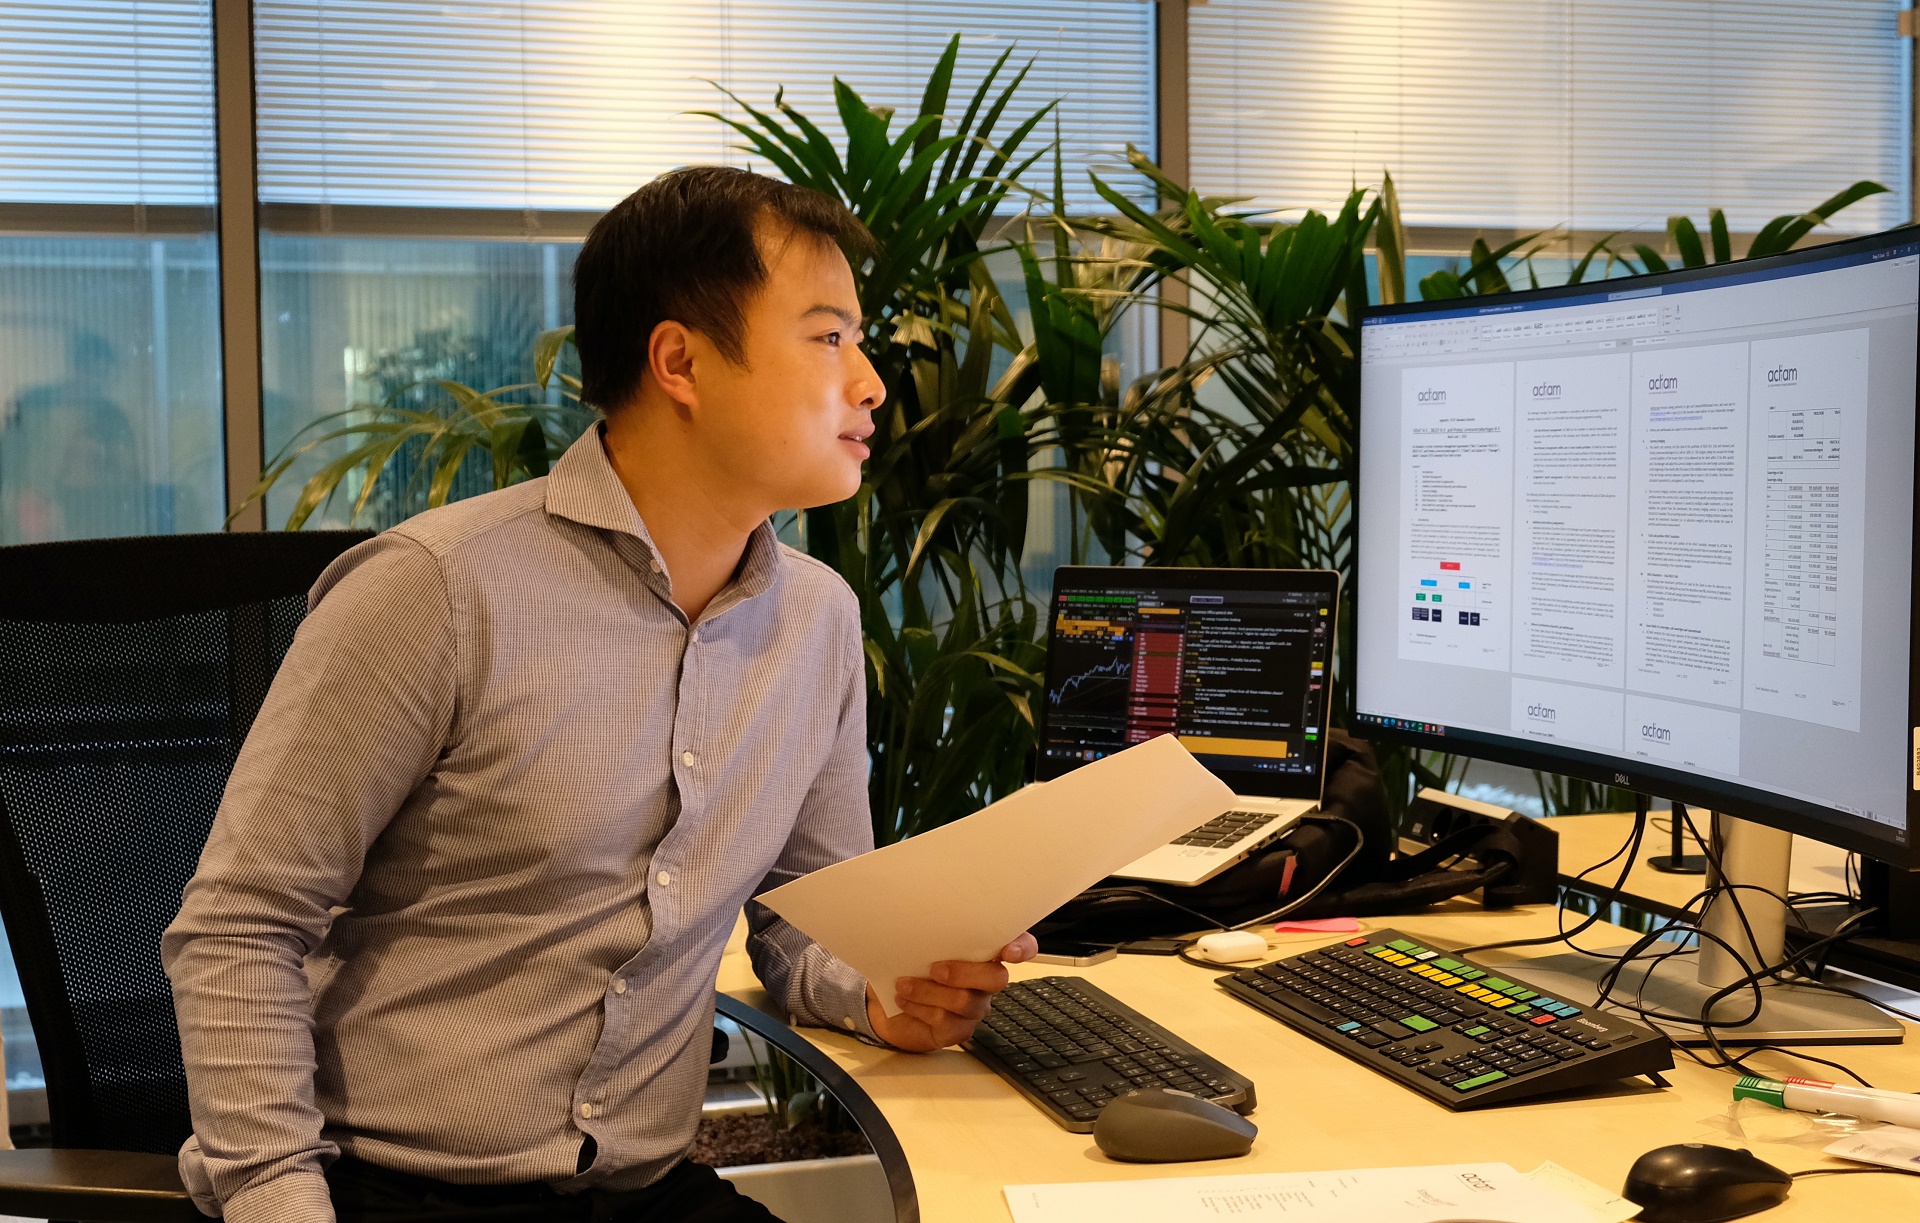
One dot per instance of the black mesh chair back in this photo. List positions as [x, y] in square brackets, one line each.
[130, 671]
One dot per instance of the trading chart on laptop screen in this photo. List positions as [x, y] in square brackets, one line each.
[1238, 675]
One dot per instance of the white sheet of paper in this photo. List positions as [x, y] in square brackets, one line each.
[965, 890]
[1894, 1146]
[1481, 1193]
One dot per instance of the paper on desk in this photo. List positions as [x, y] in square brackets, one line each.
[1482, 1193]
[965, 890]
[1893, 1146]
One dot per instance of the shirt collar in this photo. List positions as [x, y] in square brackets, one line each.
[584, 488]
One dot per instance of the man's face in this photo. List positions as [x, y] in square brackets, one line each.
[790, 424]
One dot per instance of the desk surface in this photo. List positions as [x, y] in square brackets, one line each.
[966, 1133]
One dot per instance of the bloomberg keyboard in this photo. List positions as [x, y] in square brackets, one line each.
[1458, 1033]
[1070, 1048]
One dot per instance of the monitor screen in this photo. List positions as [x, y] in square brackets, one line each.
[1233, 662]
[1656, 532]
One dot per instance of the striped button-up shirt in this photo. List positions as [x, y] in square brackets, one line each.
[466, 895]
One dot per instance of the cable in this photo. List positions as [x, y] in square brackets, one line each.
[1632, 851]
[1854, 1172]
[1689, 923]
[1359, 843]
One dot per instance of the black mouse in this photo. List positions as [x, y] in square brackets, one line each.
[1161, 1125]
[1693, 1182]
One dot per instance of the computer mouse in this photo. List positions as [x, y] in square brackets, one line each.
[1695, 1182]
[1230, 947]
[1161, 1125]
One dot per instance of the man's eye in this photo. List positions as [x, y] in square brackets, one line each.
[833, 338]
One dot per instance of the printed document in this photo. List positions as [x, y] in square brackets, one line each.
[965, 890]
[1493, 1193]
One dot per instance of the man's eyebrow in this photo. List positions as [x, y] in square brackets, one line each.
[847, 317]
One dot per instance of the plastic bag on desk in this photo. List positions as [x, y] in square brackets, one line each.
[1757, 1121]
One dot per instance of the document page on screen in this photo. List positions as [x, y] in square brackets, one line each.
[1641, 523]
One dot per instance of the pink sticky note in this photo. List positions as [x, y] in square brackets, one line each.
[1320, 925]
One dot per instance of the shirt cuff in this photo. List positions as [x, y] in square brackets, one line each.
[291, 1197]
[840, 998]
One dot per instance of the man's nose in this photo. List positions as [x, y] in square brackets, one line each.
[866, 392]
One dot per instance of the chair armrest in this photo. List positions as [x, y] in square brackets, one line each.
[95, 1187]
[866, 1114]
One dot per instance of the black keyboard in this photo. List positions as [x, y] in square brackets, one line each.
[1457, 1032]
[1070, 1048]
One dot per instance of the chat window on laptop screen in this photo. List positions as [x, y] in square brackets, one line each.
[1669, 525]
[1238, 676]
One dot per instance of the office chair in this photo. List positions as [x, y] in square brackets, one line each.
[130, 672]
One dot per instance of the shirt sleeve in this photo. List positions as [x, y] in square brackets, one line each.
[834, 824]
[356, 715]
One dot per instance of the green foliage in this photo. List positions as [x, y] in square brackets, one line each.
[932, 542]
[512, 426]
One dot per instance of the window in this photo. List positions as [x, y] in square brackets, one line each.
[110, 412]
[1602, 115]
[110, 417]
[427, 171]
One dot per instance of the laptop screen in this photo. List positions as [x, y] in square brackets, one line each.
[1234, 662]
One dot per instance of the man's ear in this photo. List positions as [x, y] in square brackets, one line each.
[670, 359]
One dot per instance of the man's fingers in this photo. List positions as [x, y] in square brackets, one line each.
[940, 1022]
[989, 977]
[971, 1004]
[1020, 950]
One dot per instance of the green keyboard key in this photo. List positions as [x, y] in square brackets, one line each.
[1401, 944]
[1468, 974]
[1449, 965]
[1480, 1080]
[1476, 1030]
[1418, 1023]
[1522, 995]
[1497, 985]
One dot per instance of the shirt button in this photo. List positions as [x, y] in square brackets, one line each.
[620, 986]
[654, 564]
[663, 879]
[848, 1020]
[686, 758]
[586, 1110]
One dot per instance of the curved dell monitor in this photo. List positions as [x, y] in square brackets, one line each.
[1656, 533]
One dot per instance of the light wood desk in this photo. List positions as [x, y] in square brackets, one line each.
[966, 1133]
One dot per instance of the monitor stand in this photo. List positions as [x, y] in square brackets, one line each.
[1755, 859]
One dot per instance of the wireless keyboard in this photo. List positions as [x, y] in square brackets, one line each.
[1070, 1048]
[1458, 1033]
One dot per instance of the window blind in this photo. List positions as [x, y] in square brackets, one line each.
[106, 103]
[572, 104]
[1595, 114]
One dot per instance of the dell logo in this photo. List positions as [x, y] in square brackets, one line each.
[1655, 734]
[1543, 713]
[1622, 780]
[1783, 375]
[1432, 397]
[1663, 382]
[1547, 390]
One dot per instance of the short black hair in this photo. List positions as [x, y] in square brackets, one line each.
[682, 248]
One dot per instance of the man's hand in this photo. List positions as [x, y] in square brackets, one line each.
[942, 1010]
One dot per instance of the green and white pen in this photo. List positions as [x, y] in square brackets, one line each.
[1815, 1096]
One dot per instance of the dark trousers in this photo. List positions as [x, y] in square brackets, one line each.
[690, 1193]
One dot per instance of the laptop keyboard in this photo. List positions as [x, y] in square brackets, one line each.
[1225, 829]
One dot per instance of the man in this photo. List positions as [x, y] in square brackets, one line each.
[460, 917]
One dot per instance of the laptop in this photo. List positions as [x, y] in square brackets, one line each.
[1233, 662]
